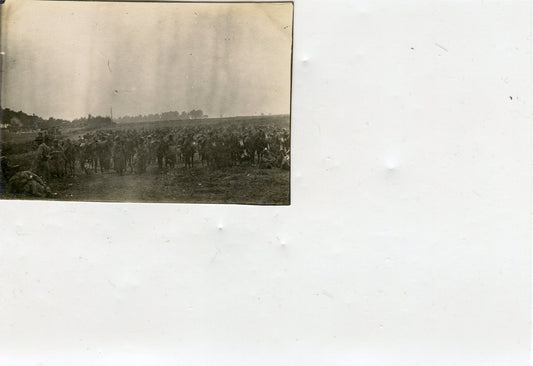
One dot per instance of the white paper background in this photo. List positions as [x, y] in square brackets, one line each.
[407, 242]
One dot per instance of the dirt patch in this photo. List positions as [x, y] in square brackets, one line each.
[237, 185]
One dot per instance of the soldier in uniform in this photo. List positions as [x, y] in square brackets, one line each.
[140, 157]
[41, 161]
[162, 151]
[170, 157]
[57, 163]
[119, 156]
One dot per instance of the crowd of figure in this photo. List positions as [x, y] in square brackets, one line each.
[125, 151]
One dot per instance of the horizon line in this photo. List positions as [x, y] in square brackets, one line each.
[114, 118]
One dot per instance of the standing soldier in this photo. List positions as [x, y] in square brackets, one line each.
[69, 149]
[162, 151]
[119, 156]
[41, 161]
[140, 157]
[57, 161]
[103, 153]
[170, 157]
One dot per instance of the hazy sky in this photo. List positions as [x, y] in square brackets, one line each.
[69, 59]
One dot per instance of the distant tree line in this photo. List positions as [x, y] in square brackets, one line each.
[166, 116]
[92, 121]
[20, 121]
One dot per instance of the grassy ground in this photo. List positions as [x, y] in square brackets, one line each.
[239, 185]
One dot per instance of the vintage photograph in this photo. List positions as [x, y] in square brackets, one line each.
[146, 101]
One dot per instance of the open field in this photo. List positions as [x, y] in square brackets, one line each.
[282, 121]
[276, 120]
[238, 185]
[241, 182]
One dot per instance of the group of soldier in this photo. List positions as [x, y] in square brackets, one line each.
[137, 150]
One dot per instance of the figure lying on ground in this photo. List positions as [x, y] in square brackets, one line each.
[29, 183]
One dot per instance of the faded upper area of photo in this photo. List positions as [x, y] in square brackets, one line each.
[66, 59]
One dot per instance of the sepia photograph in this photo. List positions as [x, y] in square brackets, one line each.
[315, 183]
[173, 102]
